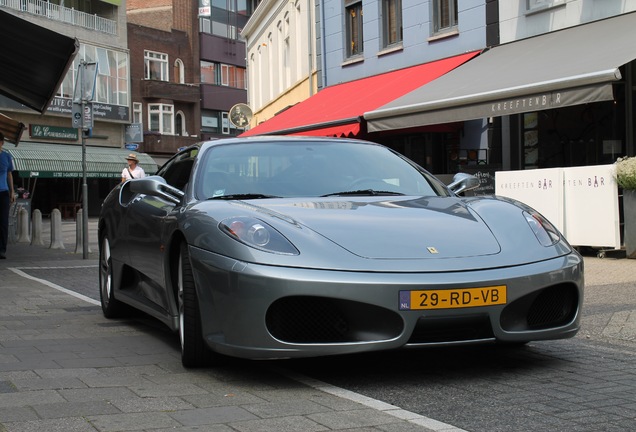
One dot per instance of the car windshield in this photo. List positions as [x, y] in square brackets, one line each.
[270, 169]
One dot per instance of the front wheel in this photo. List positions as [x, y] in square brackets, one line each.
[194, 351]
[111, 307]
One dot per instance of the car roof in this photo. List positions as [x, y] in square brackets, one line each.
[279, 138]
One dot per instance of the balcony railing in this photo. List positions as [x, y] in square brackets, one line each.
[63, 14]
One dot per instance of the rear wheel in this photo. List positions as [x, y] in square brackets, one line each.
[111, 307]
[194, 351]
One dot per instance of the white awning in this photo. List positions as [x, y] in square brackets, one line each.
[567, 67]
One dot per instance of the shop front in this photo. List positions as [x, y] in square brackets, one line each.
[555, 102]
[559, 99]
[51, 175]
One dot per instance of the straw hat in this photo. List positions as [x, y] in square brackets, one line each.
[132, 157]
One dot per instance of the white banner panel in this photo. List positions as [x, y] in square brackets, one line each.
[541, 189]
[591, 206]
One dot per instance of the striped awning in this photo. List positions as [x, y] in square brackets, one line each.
[44, 160]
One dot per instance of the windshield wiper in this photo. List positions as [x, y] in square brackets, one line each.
[362, 192]
[244, 196]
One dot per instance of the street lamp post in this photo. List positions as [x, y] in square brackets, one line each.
[83, 119]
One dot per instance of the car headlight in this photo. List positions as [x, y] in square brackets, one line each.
[545, 232]
[257, 234]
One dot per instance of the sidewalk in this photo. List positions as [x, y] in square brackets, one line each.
[64, 367]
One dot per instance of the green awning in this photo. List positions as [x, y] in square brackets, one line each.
[44, 160]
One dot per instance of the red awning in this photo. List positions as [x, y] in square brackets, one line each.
[337, 110]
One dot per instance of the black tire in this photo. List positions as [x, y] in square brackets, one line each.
[111, 307]
[194, 351]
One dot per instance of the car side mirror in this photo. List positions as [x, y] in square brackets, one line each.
[463, 182]
[156, 186]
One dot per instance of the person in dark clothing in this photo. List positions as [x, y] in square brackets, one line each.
[7, 197]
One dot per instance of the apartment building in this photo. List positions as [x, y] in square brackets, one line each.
[163, 42]
[48, 157]
[187, 70]
[361, 56]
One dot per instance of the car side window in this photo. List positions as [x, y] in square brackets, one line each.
[177, 170]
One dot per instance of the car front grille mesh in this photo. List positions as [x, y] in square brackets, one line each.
[314, 320]
[554, 306]
[307, 320]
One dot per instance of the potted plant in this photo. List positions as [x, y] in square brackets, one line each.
[626, 180]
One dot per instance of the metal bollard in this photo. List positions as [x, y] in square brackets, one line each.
[57, 242]
[79, 233]
[23, 226]
[13, 223]
[36, 228]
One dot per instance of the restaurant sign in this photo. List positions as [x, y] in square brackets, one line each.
[53, 132]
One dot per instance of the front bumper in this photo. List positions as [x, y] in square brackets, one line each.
[256, 311]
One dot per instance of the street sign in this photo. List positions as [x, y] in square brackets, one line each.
[88, 116]
[133, 133]
[82, 120]
[76, 115]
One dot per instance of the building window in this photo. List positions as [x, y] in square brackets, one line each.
[161, 118]
[180, 124]
[138, 114]
[111, 84]
[216, 28]
[534, 5]
[179, 71]
[353, 15]
[391, 22]
[218, 122]
[222, 74]
[444, 15]
[155, 66]
[225, 123]
[208, 72]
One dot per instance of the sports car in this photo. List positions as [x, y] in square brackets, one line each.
[287, 247]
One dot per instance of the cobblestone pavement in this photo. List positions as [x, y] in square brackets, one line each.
[64, 367]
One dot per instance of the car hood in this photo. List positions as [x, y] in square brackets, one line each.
[393, 228]
[393, 234]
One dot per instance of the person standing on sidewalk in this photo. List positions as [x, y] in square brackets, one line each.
[7, 197]
[133, 170]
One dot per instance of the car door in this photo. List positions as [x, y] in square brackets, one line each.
[150, 220]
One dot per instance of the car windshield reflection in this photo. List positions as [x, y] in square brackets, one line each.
[311, 169]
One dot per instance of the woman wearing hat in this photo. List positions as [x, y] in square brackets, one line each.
[133, 170]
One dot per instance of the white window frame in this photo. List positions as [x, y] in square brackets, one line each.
[225, 122]
[113, 78]
[539, 5]
[161, 59]
[225, 74]
[138, 114]
[165, 118]
[181, 116]
[179, 71]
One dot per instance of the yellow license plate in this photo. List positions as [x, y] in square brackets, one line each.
[453, 298]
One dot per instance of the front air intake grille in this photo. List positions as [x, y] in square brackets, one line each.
[307, 319]
[315, 320]
[555, 306]
[551, 307]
